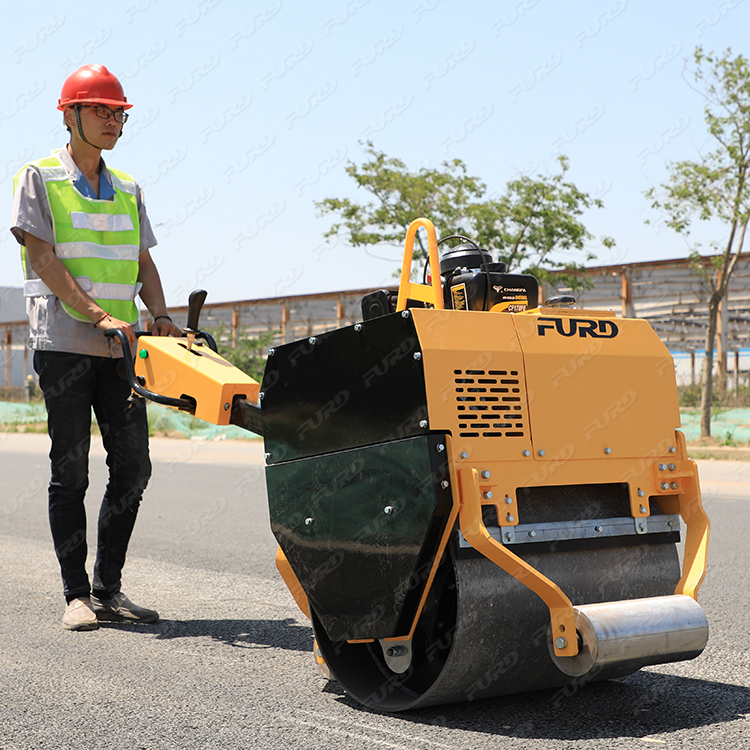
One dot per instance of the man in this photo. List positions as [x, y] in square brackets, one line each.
[85, 240]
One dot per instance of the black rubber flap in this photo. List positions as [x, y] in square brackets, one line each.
[360, 529]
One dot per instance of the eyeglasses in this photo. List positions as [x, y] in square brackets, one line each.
[105, 113]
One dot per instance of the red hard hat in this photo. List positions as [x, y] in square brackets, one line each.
[92, 84]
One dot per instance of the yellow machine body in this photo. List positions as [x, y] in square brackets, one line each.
[556, 397]
[172, 368]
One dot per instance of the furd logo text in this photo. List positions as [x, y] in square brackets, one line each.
[596, 329]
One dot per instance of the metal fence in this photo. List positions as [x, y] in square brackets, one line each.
[670, 294]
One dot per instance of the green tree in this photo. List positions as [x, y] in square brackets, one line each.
[714, 187]
[524, 227]
[247, 355]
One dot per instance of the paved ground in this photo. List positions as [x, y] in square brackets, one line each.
[230, 664]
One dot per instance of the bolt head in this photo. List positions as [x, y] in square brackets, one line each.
[309, 521]
[508, 500]
[662, 467]
[405, 314]
[674, 485]
[357, 327]
[267, 456]
[486, 474]
[423, 424]
[540, 452]
[672, 467]
[527, 453]
[261, 396]
[464, 456]
[510, 517]
[665, 485]
[561, 643]
[445, 484]
[488, 495]
[271, 352]
[439, 447]
[508, 537]
[642, 509]
[227, 406]
[641, 493]
[532, 533]
[672, 449]
[608, 451]
[388, 510]
[417, 356]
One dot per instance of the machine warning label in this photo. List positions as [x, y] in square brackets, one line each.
[458, 293]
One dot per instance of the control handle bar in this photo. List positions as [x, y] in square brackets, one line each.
[181, 403]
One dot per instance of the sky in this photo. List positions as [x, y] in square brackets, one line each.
[247, 113]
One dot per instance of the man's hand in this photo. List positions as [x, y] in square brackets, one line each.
[109, 323]
[164, 327]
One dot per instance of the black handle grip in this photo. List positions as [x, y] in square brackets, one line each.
[195, 305]
[180, 403]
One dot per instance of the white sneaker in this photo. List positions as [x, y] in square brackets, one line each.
[79, 615]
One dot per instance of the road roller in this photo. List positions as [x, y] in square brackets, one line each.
[474, 492]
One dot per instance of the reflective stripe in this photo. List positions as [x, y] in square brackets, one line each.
[102, 222]
[37, 288]
[53, 173]
[67, 250]
[120, 182]
[99, 290]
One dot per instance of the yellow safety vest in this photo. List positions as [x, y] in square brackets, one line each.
[98, 241]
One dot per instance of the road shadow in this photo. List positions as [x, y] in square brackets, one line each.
[643, 704]
[285, 634]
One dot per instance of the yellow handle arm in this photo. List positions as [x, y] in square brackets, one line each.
[407, 289]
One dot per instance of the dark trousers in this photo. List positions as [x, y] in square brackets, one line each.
[72, 384]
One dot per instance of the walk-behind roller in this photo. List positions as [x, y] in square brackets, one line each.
[471, 503]
[474, 495]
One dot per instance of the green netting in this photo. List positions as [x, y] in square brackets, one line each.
[161, 419]
[732, 424]
[12, 413]
[164, 420]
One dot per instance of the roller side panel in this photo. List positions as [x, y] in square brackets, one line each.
[360, 385]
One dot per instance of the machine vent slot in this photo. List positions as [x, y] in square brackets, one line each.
[485, 382]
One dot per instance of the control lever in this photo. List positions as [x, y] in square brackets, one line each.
[195, 305]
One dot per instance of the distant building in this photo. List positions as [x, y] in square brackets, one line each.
[15, 360]
[12, 304]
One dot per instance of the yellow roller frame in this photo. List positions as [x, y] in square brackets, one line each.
[475, 532]
[292, 582]
[697, 526]
[407, 289]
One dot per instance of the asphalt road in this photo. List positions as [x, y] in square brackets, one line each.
[230, 664]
